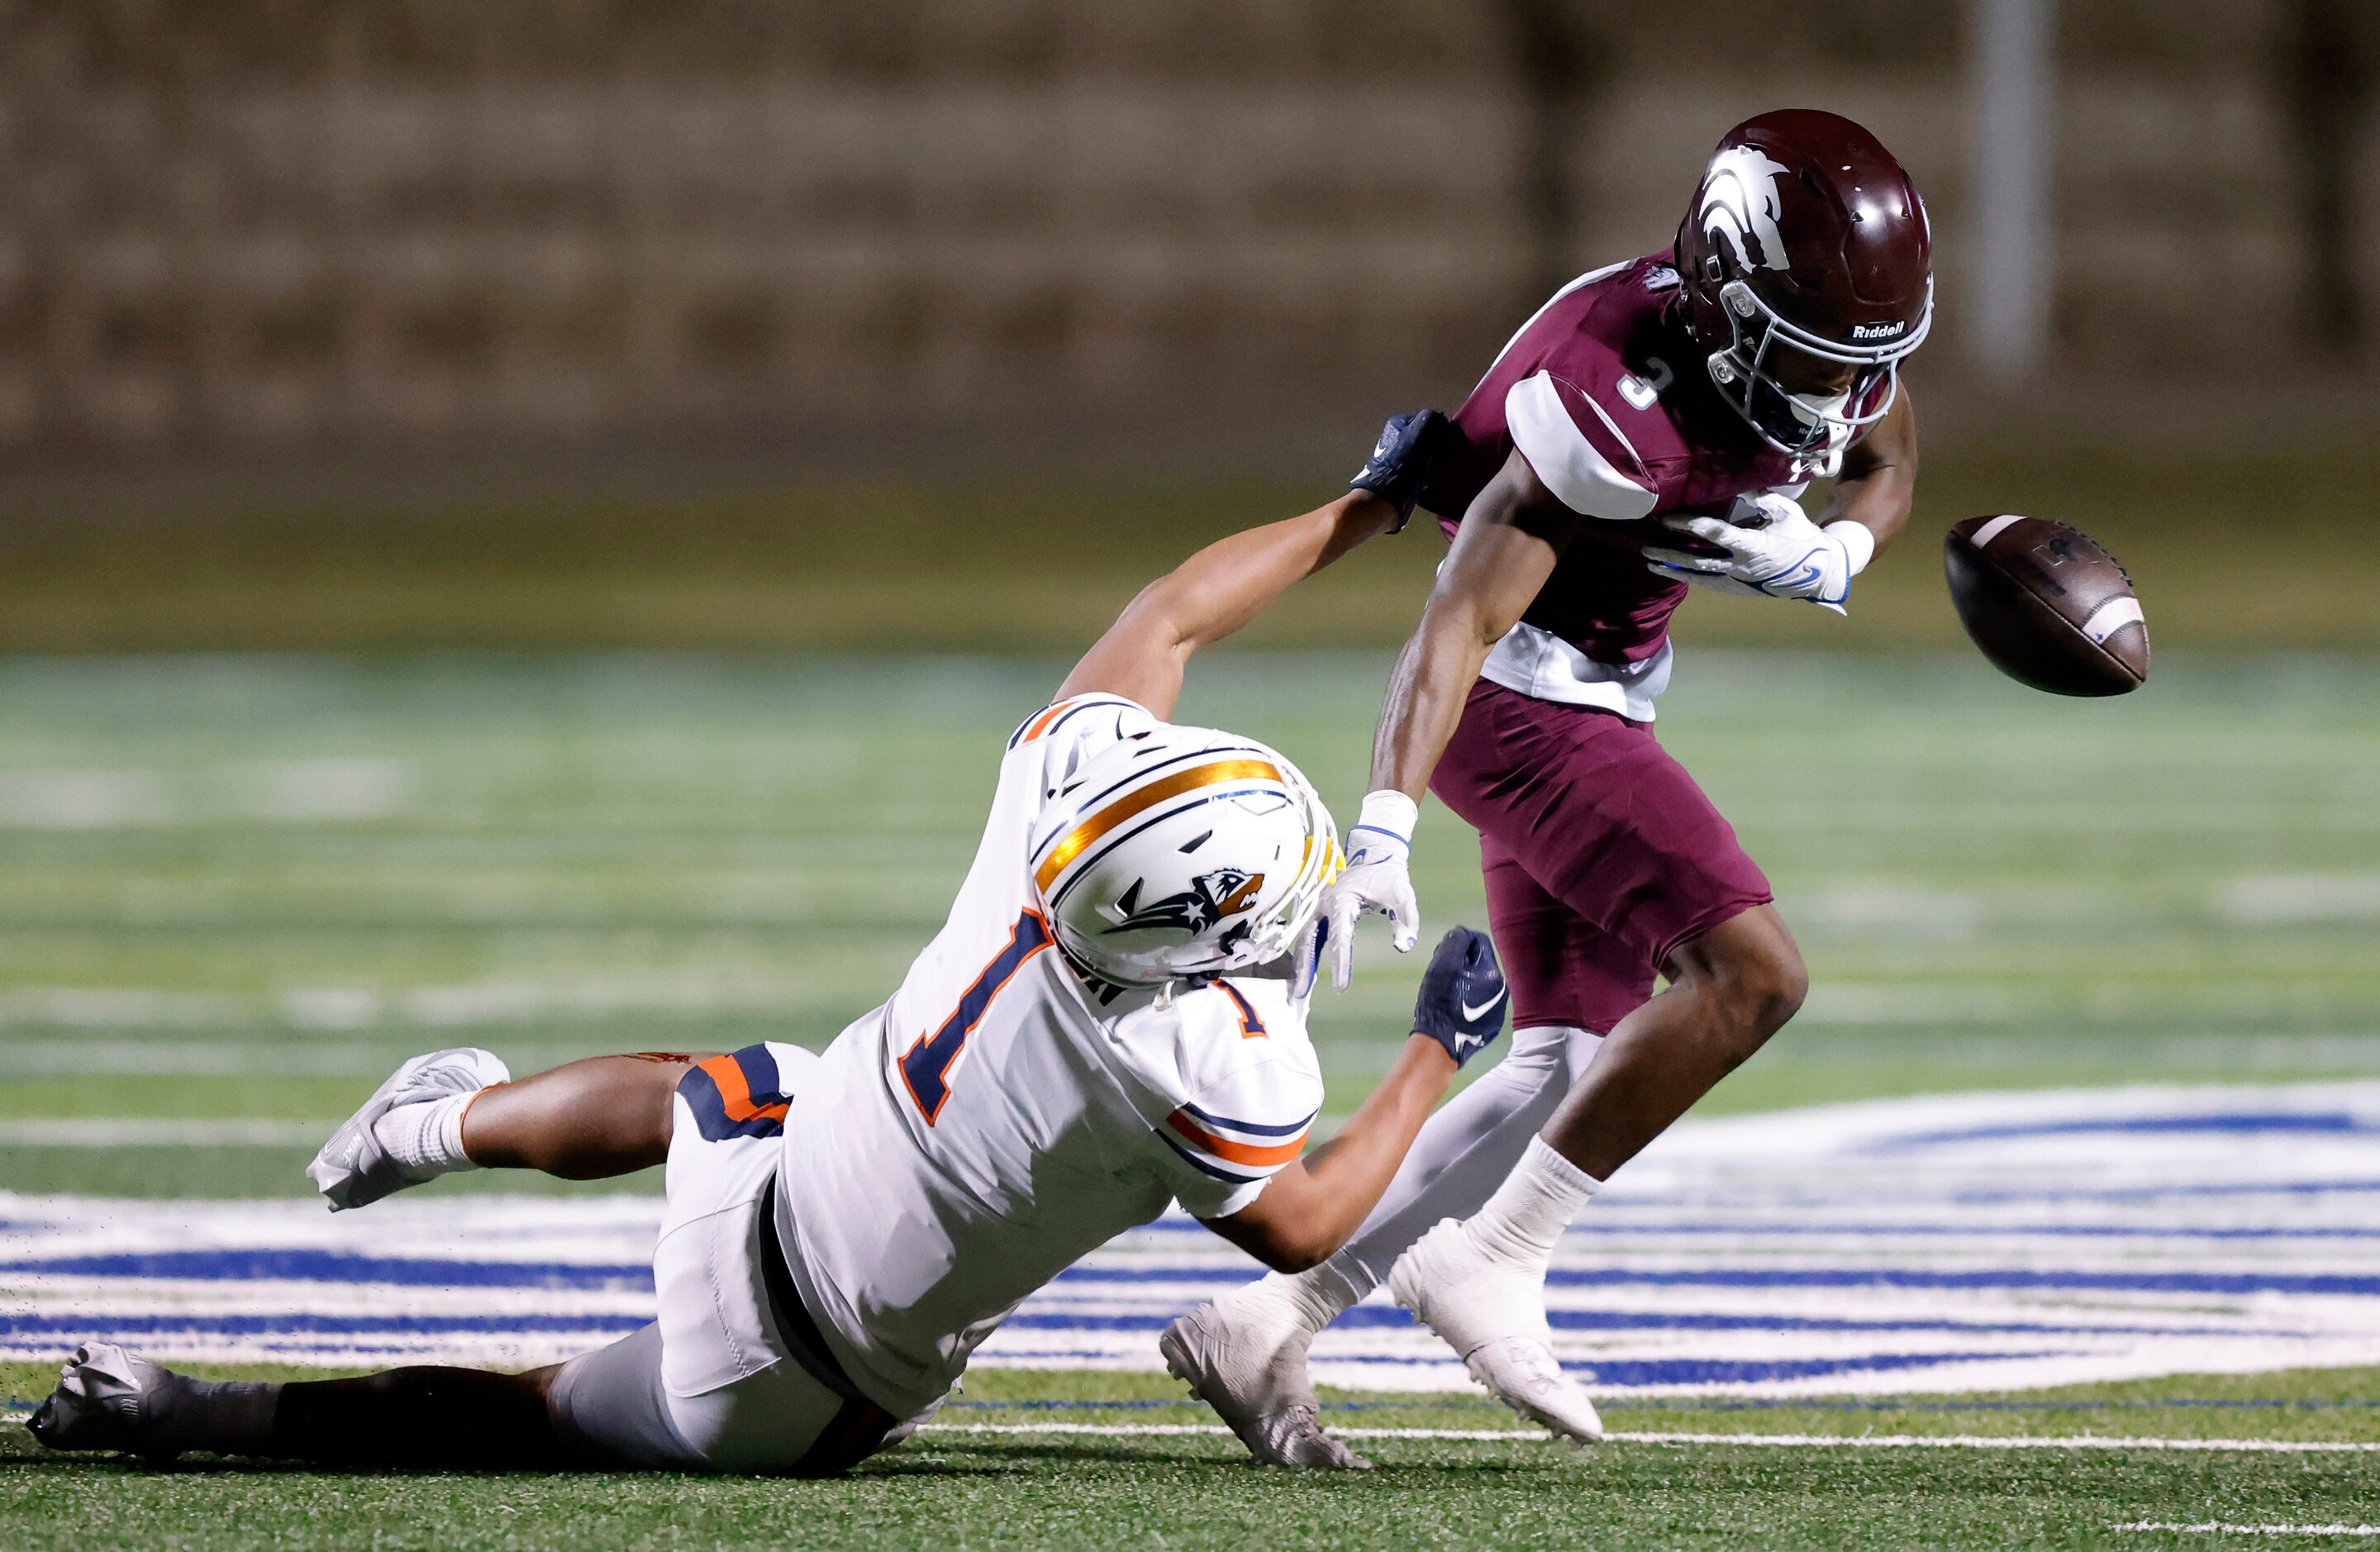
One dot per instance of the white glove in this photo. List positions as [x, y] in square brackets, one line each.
[1376, 879]
[1773, 550]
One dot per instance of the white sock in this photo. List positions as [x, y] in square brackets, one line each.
[1315, 1296]
[426, 1140]
[1465, 1150]
[1532, 1206]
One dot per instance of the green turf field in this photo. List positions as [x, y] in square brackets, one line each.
[242, 889]
[1031, 1489]
[234, 890]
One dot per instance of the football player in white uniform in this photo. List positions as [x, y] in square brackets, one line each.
[1112, 1017]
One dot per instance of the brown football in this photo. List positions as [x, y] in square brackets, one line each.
[2048, 606]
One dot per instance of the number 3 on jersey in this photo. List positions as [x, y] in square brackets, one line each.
[926, 1064]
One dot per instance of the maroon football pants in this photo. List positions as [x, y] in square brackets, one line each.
[1601, 854]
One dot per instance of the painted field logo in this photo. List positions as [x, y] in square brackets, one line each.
[1962, 1242]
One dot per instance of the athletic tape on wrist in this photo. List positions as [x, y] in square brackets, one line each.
[1386, 812]
[1858, 541]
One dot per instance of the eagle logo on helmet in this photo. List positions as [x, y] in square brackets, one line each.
[1739, 201]
[1210, 897]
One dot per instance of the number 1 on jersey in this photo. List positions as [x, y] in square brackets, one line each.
[926, 1066]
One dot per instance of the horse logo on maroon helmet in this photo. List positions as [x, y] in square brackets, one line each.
[1739, 201]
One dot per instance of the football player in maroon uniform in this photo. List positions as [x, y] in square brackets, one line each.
[1651, 428]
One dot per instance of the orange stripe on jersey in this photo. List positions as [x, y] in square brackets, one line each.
[1148, 798]
[1041, 723]
[1237, 1153]
[735, 1091]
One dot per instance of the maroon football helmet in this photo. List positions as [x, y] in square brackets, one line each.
[1808, 273]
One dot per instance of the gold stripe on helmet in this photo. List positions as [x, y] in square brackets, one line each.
[1148, 798]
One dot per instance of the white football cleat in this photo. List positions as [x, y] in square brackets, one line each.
[1491, 1310]
[1244, 1355]
[105, 1394]
[353, 1169]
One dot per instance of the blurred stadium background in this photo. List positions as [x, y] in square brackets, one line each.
[521, 523]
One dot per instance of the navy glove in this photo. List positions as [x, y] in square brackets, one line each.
[1463, 995]
[1399, 466]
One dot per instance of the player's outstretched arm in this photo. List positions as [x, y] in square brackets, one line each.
[1510, 538]
[1310, 1206]
[1214, 593]
[1233, 580]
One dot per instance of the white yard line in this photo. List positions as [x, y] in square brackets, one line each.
[2217, 1527]
[1773, 1441]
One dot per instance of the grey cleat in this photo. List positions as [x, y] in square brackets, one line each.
[352, 1170]
[1255, 1378]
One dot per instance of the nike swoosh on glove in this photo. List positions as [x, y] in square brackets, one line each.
[1402, 461]
[1769, 548]
[1377, 878]
[1463, 995]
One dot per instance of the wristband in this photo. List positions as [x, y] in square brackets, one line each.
[1388, 812]
[1858, 541]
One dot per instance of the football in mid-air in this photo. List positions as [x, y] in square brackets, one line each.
[2047, 605]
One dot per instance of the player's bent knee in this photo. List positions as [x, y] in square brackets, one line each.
[1775, 985]
[1764, 989]
[1750, 967]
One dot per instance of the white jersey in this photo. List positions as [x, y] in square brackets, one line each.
[1001, 1117]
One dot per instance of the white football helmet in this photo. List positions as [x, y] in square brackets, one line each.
[1180, 854]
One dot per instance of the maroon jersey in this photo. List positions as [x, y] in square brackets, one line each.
[1609, 399]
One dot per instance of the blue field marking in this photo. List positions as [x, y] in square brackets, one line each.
[2228, 1283]
[2112, 1195]
[1608, 1228]
[1363, 1317]
[321, 1265]
[2328, 1123]
[1388, 1316]
[1643, 1372]
[1638, 1372]
[298, 1322]
[2060, 1239]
